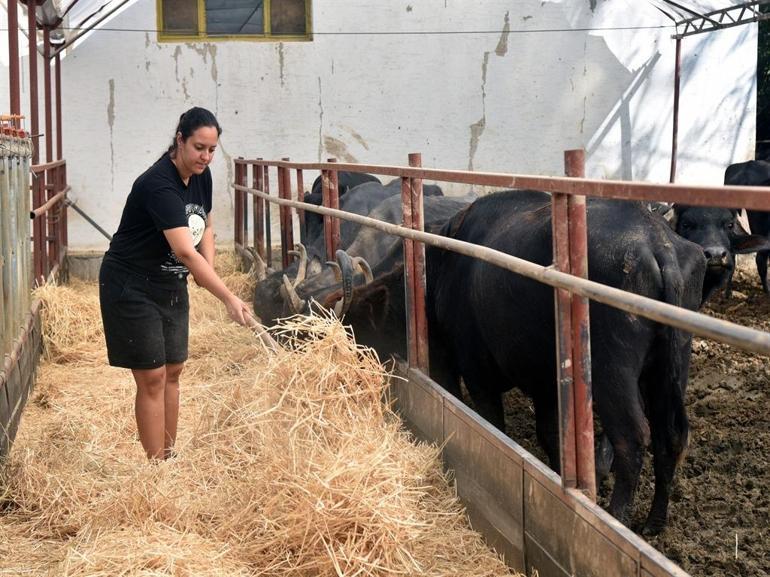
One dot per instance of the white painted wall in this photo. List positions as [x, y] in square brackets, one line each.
[525, 84]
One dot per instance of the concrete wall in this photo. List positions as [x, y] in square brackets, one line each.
[518, 83]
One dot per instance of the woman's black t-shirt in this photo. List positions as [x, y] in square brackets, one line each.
[159, 200]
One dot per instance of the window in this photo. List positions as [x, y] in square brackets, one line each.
[233, 19]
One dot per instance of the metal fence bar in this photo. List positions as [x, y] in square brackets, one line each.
[418, 258]
[755, 198]
[744, 338]
[409, 281]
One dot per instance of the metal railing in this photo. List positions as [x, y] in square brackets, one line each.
[567, 274]
[49, 219]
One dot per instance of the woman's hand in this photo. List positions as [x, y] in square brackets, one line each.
[238, 310]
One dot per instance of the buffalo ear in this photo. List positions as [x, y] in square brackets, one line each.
[742, 244]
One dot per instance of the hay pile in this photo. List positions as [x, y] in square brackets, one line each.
[289, 463]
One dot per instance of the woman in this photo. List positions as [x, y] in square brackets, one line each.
[164, 233]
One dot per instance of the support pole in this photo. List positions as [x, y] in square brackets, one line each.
[418, 268]
[675, 129]
[331, 199]
[59, 137]
[287, 234]
[573, 337]
[13, 57]
[33, 96]
[48, 101]
[259, 211]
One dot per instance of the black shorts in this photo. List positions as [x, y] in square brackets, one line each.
[146, 324]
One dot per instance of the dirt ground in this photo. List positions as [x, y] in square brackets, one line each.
[719, 517]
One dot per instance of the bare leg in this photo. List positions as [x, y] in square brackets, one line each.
[149, 409]
[171, 405]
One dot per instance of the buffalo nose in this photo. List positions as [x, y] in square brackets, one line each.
[715, 254]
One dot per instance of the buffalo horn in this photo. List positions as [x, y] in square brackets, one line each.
[258, 270]
[296, 304]
[302, 271]
[364, 267]
[346, 268]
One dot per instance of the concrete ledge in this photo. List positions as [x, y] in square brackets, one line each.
[84, 265]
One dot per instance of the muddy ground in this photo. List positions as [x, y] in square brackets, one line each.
[720, 508]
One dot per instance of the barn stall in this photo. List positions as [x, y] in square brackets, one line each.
[476, 452]
[113, 103]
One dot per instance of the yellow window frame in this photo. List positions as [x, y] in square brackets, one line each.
[202, 36]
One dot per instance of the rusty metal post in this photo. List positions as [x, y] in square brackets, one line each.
[259, 211]
[64, 216]
[412, 350]
[38, 227]
[675, 129]
[284, 213]
[33, 97]
[268, 221]
[13, 56]
[330, 199]
[560, 224]
[300, 198]
[239, 179]
[288, 211]
[52, 220]
[48, 103]
[59, 138]
[574, 162]
[418, 279]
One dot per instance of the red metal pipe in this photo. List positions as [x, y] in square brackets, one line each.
[48, 102]
[288, 211]
[38, 229]
[52, 221]
[420, 284]
[268, 223]
[59, 138]
[300, 198]
[284, 212]
[258, 206]
[574, 161]
[675, 130]
[560, 224]
[409, 273]
[325, 188]
[238, 232]
[33, 96]
[64, 224]
[334, 202]
[754, 197]
[13, 56]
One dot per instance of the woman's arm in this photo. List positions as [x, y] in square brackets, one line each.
[181, 243]
[206, 246]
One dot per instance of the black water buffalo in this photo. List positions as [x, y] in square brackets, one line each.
[381, 252]
[276, 298]
[345, 182]
[359, 199]
[717, 231]
[495, 329]
[754, 173]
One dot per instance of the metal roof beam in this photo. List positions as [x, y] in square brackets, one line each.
[724, 18]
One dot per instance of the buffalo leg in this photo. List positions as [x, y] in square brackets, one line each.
[625, 425]
[728, 289]
[761, 260]
[670, 432]
[547, 427]
[603, 458]
[486, 398]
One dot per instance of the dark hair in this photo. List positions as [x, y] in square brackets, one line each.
[191, 121]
